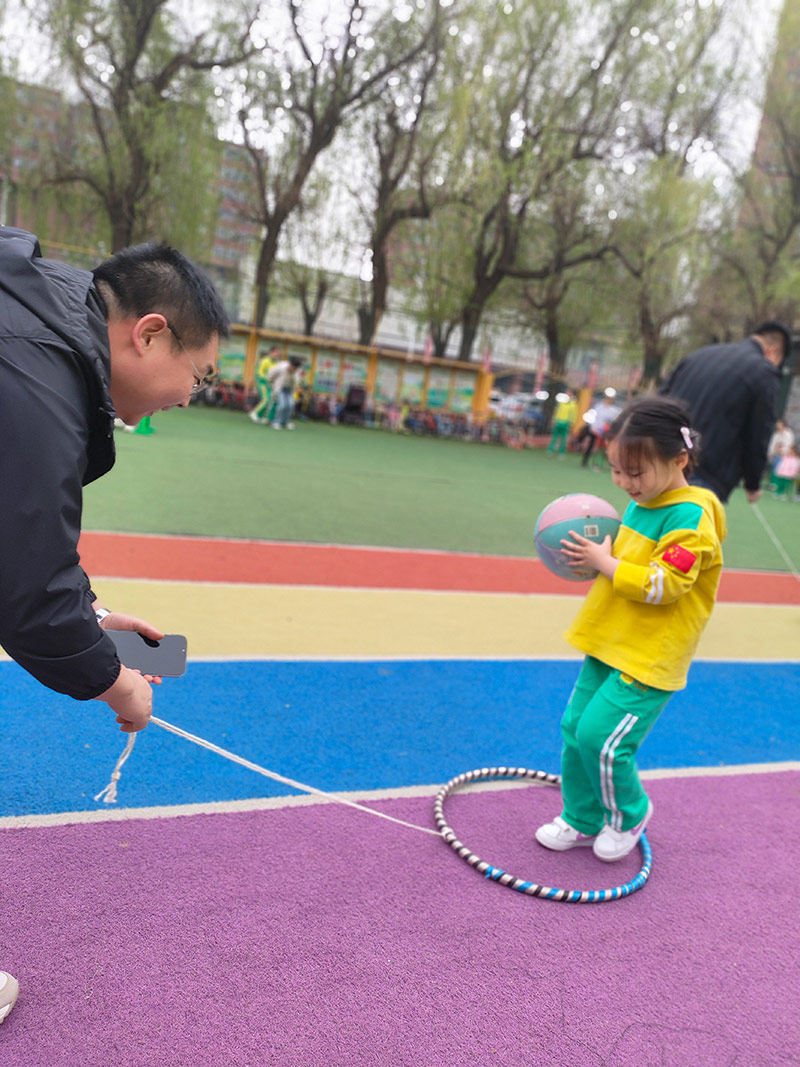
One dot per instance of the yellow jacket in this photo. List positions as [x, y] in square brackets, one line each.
[566, 411]
[265, 365]
[647, 622]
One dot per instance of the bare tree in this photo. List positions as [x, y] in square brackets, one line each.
[756, 275]
[565, 237]
[431, 271]
[544, 97]
[544, 105]
[311, 81]
[142, 88]
[404, 146]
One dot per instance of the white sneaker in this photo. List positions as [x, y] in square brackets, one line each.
[9, 988]
[254, 417]
[611, 845]
[275, 426]
[289, 425]
[559, 836]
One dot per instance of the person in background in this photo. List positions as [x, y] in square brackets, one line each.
[563, 419]
[260, 412]
[605, 413]
[780, 443]
[787, 471]
[732, 391]
[284, 378]
[78, 350]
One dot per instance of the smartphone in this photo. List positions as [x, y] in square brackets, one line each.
[165, 657]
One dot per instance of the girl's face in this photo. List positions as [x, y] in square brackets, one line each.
[651, 478]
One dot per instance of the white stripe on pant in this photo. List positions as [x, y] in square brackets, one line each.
[607, 767]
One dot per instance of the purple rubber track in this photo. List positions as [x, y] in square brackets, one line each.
[318, 936]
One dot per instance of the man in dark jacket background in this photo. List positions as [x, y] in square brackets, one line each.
[77, 349]
[732, 390]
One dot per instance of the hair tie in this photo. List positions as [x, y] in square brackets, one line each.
[686, 434]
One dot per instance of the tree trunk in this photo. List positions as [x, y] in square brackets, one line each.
[557, 357]
[470, 322]
[262, 304]
[441, 336]
[266, 262]
[312, 308]
[380, 287]
[556, 360]
[367, 324]
[653, 358]
[121, 229]
[651, 342]
[471, 319]
[473, 312]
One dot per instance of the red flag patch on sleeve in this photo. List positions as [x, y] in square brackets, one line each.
[680, 558]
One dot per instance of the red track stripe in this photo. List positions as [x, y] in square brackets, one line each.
[191, 559]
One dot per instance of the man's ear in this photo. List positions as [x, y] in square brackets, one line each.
[146, 330]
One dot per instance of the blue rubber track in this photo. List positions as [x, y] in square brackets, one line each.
[361, 726]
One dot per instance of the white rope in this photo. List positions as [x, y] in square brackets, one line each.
[774, 538]
[109, 794]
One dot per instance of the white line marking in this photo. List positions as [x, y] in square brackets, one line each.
[229, 807]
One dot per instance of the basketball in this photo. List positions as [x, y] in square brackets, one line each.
[587, 515]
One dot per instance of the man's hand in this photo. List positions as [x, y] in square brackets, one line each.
[115, 620]
[131, 698]
[753, 495]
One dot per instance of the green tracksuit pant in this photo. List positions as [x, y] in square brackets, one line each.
[558, 438]
[265, 393]
[608, 716]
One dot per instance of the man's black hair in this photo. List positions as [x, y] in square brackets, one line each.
[154, 277]
[773, 326]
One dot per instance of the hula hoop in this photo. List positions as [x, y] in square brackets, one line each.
[496, 874]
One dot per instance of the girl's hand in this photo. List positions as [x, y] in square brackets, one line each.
[581, 552]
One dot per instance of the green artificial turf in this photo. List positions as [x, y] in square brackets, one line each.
[212, 472]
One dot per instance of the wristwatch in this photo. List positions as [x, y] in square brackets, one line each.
[101, 613]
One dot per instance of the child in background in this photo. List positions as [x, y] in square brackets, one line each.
[261, 412]
[565, 414]
[786, 472]
[638, 627]
[781, 442]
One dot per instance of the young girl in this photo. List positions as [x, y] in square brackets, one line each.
[786, 472]
[639, 625]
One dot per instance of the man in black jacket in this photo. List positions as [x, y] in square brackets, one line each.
[732, 390]
[137, 335]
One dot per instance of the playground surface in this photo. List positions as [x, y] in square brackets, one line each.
[214, 915]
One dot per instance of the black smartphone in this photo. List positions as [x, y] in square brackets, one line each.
[165, 657]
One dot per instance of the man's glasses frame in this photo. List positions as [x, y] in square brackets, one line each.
[201, 381]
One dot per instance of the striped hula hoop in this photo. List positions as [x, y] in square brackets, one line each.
[496, 874]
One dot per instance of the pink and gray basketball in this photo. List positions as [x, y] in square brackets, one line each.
[587, 515]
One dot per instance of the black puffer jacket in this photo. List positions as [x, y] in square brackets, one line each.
[56, 435]
[732, 391]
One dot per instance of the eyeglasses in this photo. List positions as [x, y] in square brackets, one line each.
[200, 380]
